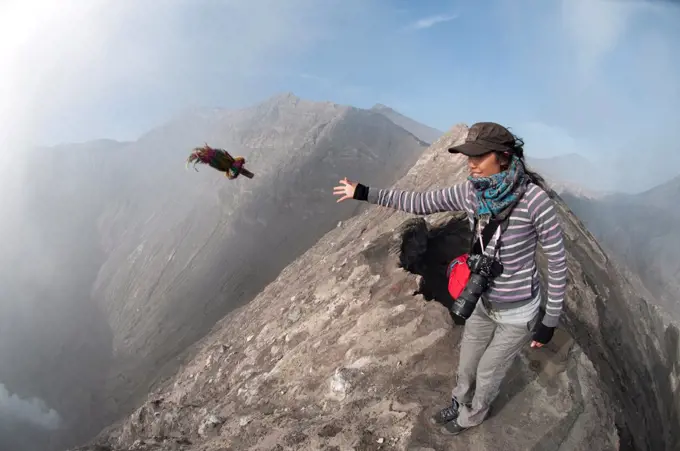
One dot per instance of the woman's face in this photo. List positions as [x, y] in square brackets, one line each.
[484, 165]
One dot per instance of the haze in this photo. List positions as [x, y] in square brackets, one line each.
[596, 78]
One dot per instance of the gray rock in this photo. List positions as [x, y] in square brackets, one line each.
[294, 314]
[339, 385]
[210, 426]
[243, 421]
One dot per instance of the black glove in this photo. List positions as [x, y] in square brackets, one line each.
[543, 334]
[361, 192]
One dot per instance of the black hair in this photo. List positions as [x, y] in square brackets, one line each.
[518, 150]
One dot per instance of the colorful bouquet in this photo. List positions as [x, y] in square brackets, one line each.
[221, 160]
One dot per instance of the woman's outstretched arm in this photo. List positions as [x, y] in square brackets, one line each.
[453, 198]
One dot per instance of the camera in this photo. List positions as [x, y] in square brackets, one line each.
[482, 270]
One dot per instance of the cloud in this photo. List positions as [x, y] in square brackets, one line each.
[33, 410]
[624, 70]
[544, 140]
[144, 59]
[602, 77]
[428, 22]
[595, 28]
[319, 80]
[36, 39]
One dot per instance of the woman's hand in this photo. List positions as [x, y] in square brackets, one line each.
[542, 335]
[346, 189]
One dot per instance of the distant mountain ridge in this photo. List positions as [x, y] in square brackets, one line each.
[574, 173]
[640, 231]
[664, 196]
[423, 132]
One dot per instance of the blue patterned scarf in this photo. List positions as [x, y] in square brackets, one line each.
[496, 194]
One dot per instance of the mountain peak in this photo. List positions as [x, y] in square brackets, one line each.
[381, 107]
[283, 97]
[421, 131]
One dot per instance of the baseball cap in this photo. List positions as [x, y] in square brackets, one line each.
[485, 137]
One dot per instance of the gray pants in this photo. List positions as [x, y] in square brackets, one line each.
[486, 353]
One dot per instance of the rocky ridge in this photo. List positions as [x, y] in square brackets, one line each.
[427, 134]
[351, 347]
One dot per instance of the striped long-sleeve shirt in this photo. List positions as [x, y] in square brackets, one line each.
[533, 220]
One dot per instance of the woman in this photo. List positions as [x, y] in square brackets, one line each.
[509, 314]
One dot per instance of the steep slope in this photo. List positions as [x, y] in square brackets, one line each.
[129, 258]
[421, 131]
[640, 231]
[187, 264]
[665, 196]
[339, 352]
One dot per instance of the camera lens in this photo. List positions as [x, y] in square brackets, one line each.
[466, 302]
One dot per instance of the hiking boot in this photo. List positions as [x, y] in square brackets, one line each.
[447, 414]
[453, 428]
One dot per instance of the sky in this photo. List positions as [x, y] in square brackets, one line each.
[594, 77]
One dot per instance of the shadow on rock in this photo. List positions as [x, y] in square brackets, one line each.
[428, 252]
